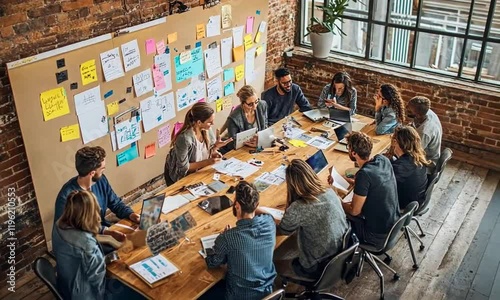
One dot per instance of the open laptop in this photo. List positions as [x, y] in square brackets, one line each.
[266, 138]
[151, 211]
[317, 161]
[342, 131]
[317, 115]
[340, 115]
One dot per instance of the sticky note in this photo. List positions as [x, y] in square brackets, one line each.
[219, 105]
[113, 108]
[127, 155]
[249, 27]
[150, 46]
[298, 143]
[185, 57]
[69, 133]
[150, 150]
[259, 50]
[164, 135]
[54, 103]
[177, 127]
[228, 74]
[158, 78]
[247, 40]
[160, 47]
[229, 89]
[200, 31]
[238, 53]
[257, 37]
[239, 72]
[108, 94]
[226, 16]
[172, 37]
[88, 72]
[227, 102]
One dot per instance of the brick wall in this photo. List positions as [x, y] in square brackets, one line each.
[469, 112]
[28, 27]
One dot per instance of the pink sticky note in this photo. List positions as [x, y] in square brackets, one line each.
[158, 78]
[250, 24]
[150, 46]
[177, 128]
[202, 100]
[160, 47]
[164, 136]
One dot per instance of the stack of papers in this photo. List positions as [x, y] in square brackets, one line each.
[276, 213]
[172, 203]
[235, 167]
[154, 268]
[339, 181]
[276, 177]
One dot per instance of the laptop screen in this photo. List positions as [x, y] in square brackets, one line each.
[151, 211]
[342, 131]
[340, 115]
[317, 161]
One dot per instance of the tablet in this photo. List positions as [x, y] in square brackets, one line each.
[317, 161]
[244, 136]
[151, 211]
[266, 138]
[215, 204]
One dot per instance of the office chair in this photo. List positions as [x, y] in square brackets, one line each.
[424, 207]
[442, 161]
[276, 295]
[370, 252]
[411, 207]
[47, 273]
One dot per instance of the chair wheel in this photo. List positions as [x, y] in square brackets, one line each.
[422, 247]
[422, 235]
[415, 267]
[396, 277]
[388, 260]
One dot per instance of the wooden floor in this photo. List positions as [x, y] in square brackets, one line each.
[460, 259]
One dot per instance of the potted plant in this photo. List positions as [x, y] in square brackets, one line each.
[321, 31]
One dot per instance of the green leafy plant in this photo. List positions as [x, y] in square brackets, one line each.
[332, 12]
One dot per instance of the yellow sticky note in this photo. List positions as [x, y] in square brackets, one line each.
[298, 143]
[54, 103]
[257, 37]
[227, 102]
[219, 105]
[239, 72]
[69, 133]
[238, 53]
[200, 31]
[113, 108]
[259, 50]
[88, 72]
[247, 40]
[172, 37]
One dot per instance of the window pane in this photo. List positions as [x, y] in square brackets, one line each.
[404, 12]
[358, 9]
[307, 14]
[495, 25]
[438, 53]
[472, 51]
[479, 17]
[380, 10]
[377, 42]
[398, 46]
[354, 42]
[448, 16]
[491, 64]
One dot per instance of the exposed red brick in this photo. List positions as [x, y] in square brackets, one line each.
[72, 5]
[13, 19]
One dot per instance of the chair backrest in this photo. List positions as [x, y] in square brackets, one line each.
[433, 179]
[276, 295]
[47, 273]
[392, 237]
[336, 267]
[347, 238]
[446, 155]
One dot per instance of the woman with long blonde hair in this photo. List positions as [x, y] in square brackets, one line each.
[314, 213]
[410, 167]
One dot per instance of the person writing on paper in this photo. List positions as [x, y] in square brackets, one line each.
[410, 167]
[374, 207]
[195, 146]
[81, 269]
[252, 113]
[389, 109]
[314, 213]
[90, 164]
[339, 94]
[246, 249]
[281, 98]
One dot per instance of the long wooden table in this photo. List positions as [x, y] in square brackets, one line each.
[194, 277]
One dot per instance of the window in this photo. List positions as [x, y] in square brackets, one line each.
[456, 38]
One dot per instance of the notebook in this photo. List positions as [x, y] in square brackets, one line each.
[317, 161]
[151, 211]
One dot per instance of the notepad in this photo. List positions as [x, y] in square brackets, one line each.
[153, 269]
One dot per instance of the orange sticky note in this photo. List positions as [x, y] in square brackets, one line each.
[247, 40]
[150, 150]
[172, 37]
[200, 31]
[239, 72]
[238, 53]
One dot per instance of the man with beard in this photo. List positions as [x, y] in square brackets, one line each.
[281, 98]
[247, 249]
[374, 207]
[428, 126]
[90, 165]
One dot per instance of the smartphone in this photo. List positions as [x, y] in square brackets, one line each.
[230, 190]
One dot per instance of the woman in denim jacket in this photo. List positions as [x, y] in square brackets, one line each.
[389, 109]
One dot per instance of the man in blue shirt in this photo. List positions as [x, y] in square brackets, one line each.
[247, 249]
[281, 98]
[90, 165]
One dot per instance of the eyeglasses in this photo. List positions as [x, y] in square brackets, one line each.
[253, 103]
[289, 82]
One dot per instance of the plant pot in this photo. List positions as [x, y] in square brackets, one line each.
[321, 44]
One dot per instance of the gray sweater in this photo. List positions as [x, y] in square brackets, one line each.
[237, 122]
[182, 153]
[320, 227]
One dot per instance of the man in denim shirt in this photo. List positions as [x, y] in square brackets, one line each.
[247, 249]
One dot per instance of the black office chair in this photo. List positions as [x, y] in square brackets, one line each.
[341, 267]
[411, 207]
[424, 207]
[446, 155]
[370, 252]
[47, 273]
[276, 295]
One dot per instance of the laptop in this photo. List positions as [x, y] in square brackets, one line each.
[151, 211]
[340, 115]
[317, 161]
[266, 138]
[317, 115]
[342, 131]
[244, 136]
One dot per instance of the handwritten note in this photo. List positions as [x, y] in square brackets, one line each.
[158, 78]
[69, 133]
[156, 110]
[93, 123]
[127, 132]
[214, 88]
[191, 94]
[238, 53]
[228, 74]
[249, 27]
[127, 155]
[164, 136]
[229, 89]
[238, 36]
[113, 108]
[227, 102]
[219, 105]
[227, 18]
[150, 46]
[143, 83]
[172, 37]
[160, 47]
[88, 100]
[185, 57]
[165, 66]
[200, 31]
[249, 65]
[213, 26]
[150, 150]
[88, 72]
[212, 61]
[248, 42]
[189, 69]
[226, 46]
[131, 55]
[54, 103]
[239, 72]
[111, 64]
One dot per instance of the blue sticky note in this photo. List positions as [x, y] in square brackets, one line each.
[257, 12]
[167, 50]
[228, 74]
[229, 89]
[189, 69]
[127, 155]
[198, 44]
[109, 93]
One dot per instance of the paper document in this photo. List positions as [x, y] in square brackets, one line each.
[172, 203]
[154, 268]
[339, 181]
[235, 167]
[270, 178]
[320, 142]
[348, 197]
[276, 213]
[208, 242]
